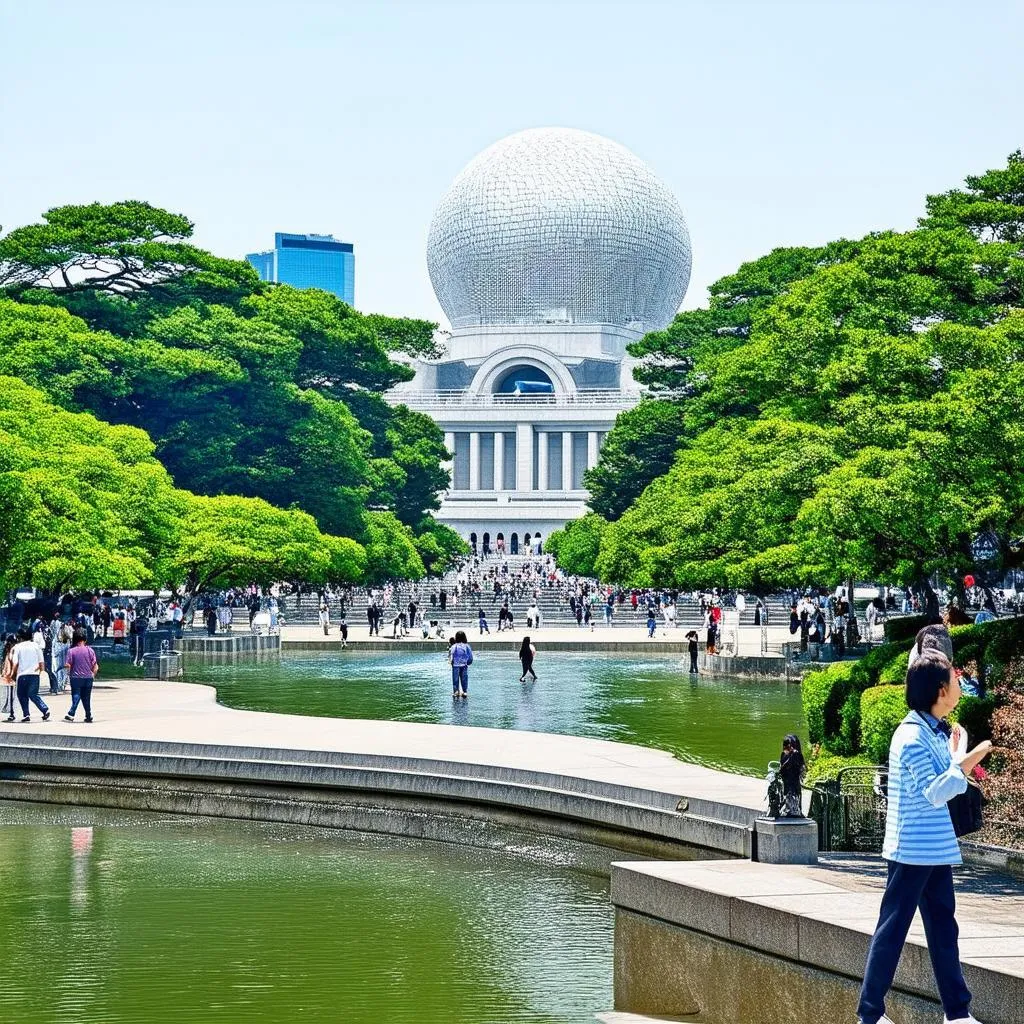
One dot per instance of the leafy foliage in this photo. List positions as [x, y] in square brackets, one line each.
[845, 412]
[576, 546]
[882, 708]
[249, 389]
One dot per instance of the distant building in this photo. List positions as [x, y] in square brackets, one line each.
[309, 261]
[551, 252]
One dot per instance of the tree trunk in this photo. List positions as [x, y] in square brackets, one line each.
[931, 602]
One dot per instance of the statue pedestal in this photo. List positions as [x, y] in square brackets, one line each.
[786, 840]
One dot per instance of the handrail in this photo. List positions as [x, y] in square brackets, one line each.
[465, 399]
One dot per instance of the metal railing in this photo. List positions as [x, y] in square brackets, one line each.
[603, 398]
[850, 809]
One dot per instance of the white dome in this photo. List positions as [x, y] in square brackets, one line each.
[556, 225]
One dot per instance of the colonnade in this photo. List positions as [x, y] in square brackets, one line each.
[504, 460]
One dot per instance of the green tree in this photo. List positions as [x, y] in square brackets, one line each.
[438, 546]
[82, 504]
[390, 549]
[858, 419]
[576, 546]
[228, 541]
[641, 447]
[246, 388]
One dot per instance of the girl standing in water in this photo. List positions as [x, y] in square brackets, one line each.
[526, 655]
[461, 655]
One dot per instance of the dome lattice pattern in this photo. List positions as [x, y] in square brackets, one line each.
[556, 225]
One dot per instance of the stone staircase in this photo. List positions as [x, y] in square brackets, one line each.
[553, 604]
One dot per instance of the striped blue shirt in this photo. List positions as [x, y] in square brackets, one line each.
[922, 780]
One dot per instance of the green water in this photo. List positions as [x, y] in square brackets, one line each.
[112, 918]
[732, 724]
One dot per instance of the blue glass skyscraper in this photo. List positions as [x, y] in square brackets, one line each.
[309, 261]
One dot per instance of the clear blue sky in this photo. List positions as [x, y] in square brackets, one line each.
[774, 123]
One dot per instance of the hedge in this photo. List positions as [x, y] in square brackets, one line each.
[827, 765]
[882, 708]
[904, 628]
[823, 694]
[895, 673]
[975, 715]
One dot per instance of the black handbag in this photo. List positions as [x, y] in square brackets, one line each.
[965, 810]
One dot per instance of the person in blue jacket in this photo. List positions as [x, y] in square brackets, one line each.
[461, 657]
[928, 765]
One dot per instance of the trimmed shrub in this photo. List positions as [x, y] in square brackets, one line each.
[975, 715]
[868, 670]
[904, 628]
[882, 708]
[823, 694]
[895, 673]
[848, 740]
[827, 765]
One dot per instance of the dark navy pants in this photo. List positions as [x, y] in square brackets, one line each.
[909, 887]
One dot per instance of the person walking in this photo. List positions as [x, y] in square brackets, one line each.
[28, 664]
[324, 617]
[482, 618]
[210, 618]
[8, 676]
[138, 637]
[343, 629]
[527, 652]
[652, 622]
[83, 668]
[60, 646]
[928, 766]
[461, 656]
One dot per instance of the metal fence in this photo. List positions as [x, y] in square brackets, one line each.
[850, 809]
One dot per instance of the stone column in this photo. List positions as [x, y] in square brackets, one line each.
[524, 457]
[449, 466]
[474, 460]
[566, 460]
[593, 447]
[542, 460]
[499, 461]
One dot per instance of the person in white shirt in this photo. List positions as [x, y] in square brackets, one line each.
[28, 665]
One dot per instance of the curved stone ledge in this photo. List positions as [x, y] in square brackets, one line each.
[167, 731]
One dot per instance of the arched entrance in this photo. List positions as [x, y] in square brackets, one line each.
[514, 543]
[487, 544]
[524, 380]
[500, 543]
[472, 542]
[537, 545]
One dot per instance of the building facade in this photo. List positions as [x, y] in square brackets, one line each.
[550, 253]
[309, 261]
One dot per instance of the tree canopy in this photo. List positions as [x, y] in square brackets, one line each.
[258, 398]
[847, 411]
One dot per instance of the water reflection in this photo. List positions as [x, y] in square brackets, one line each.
[139, 918]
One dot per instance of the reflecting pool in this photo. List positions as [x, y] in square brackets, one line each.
[732, 724]
[118, 918]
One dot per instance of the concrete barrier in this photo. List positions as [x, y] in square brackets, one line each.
[227, 646]
[736, 941]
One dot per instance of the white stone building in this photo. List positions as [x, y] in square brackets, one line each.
[551, 252]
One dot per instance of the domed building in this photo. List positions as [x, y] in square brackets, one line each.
[553, 250]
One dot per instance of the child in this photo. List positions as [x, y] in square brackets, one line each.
[793, 768]
[483, 622]
[652, 622]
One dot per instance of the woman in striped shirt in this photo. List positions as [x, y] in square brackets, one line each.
[928, 766]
